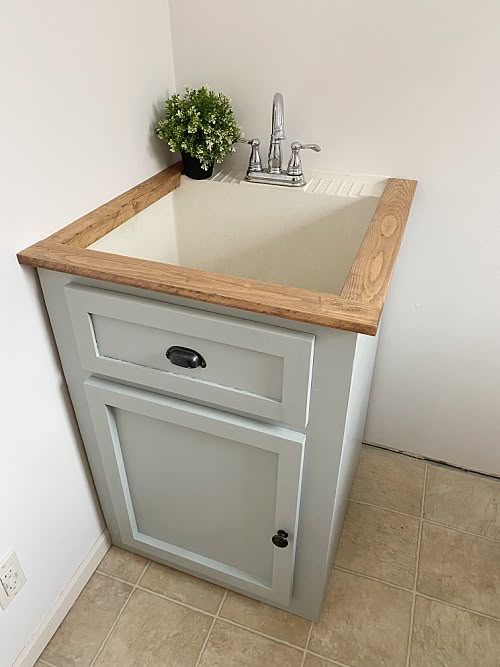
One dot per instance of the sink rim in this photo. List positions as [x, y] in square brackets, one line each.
[358, 307]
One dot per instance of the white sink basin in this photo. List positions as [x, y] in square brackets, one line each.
[301, 238]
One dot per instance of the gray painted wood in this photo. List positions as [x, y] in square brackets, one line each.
[359, 394]
[199, 486]
[333, 373]
[259, 370]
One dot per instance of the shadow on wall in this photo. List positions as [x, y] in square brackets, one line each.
[157, 148]
[63, 388]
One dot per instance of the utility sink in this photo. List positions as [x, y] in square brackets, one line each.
[305, 238]
[322, 254]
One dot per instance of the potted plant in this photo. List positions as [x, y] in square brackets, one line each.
[200, 125]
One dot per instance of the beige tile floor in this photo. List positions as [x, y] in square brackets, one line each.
[416, 583]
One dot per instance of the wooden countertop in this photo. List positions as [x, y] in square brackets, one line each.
[358, 307]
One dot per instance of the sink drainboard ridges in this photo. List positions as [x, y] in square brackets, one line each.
[319, 187]
[323, 185]
[228, 176]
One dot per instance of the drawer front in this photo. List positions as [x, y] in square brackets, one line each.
[200, 489]
[257, 369]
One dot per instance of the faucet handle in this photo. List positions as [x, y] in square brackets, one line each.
[295, 163]
[298, 146]
[255, 162]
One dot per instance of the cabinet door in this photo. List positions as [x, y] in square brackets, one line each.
[199, 488]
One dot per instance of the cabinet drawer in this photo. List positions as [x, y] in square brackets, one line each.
[257, 369]
[200, 489]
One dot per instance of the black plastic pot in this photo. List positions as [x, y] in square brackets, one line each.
[192, 168]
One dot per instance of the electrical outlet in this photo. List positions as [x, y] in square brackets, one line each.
[12, 579]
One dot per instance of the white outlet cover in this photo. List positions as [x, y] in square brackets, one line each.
[12, 579]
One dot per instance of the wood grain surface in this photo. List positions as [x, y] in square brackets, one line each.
[289, 302]
[98, 223]
[358, 308]
[371, 271]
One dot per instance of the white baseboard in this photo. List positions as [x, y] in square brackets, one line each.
[56, 613]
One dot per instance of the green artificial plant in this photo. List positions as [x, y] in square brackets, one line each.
[201, 123]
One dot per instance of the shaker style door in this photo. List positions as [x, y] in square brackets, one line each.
[212, 493]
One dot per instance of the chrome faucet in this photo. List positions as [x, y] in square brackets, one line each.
[275, 174]
[277, 135]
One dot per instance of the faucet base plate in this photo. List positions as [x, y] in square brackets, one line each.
[282, 178]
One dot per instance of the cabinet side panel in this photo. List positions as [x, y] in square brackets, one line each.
[331, 381]
[364, 360]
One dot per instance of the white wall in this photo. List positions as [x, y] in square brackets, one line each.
[408, 89]
[79, 83]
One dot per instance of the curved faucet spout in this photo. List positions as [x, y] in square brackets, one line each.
[278, 122]
[277, 135]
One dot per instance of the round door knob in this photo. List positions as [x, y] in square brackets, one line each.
[279, 540]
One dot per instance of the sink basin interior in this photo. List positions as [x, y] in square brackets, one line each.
[273, 234]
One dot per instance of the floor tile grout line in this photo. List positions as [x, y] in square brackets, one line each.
[412, 610]
[417, 562]
[122, 581]
[108, 635]
[134, 588]
[419, 544]
[457, 606]
[461, 530]
[381, 507]
[205, 642]
[308, 639]
[208, 613]
[435, 523]
[201, 611]
[141, 577]
[179, 602]
[417, 593]
[368, 576]
[160, 595]
[330, 660]
[424, 491]
[261, 634]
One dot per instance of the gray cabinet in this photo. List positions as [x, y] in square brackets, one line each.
[204, 489]
[199, 468]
